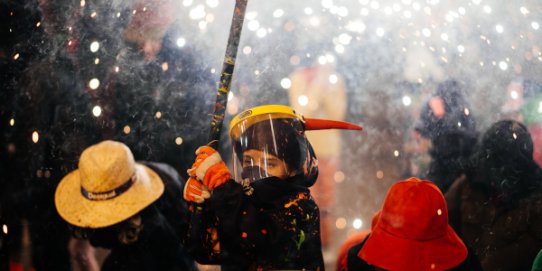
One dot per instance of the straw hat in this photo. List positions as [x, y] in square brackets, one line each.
[108, 187]
[412, 231]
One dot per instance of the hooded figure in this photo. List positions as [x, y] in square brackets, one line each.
[446, 120]
[496, 206]
[267, 218]
[411, 232]
[132, 208]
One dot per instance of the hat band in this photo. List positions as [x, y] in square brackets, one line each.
[109, 194]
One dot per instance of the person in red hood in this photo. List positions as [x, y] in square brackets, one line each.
[411, 232]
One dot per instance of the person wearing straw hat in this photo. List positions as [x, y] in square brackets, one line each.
[267, 218]
[411, 232]
[132, 208]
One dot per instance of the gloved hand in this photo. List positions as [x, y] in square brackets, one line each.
[195, 191]
[209, 168]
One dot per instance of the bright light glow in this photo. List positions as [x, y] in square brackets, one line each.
[181, 42]
[94, 83]
[540, 107]
[330, 58]
[364, 11]
[499, 28]
[247, 50]
[96, 111]
[466, 111]
[5, 229]
[308, 11]
[187, 3]
[338, 176]
[179, 140]
[503, 65]
[396, 153]
[375, 5]
[262, 32]
[197, 12]
[444, 36]
[514, 136]
[524, 10]
[355, 26]
[345, 38]
[278, 13]
[253, 25]
[322, 60]
[230, 96]
[12, 122]
[461, 48]
[35, 136]
[426, 32]
[285, 83]
[16, 56]
[487, 9]
[462, 10]
[407, 100]
[212, 3]
[339, 48]
[476, 2]
[251, 15]
[407, 14]
[126, 129]
[357, 224]
[94, 46]
[380, 32]
[535, 25]
[343, 12]
[327, 3]
[303, 100]
[333, 79]
[514, 95]
[340, 223]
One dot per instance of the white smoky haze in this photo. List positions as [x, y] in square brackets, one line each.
[391, 55]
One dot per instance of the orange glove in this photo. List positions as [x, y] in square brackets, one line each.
[209, 168]
[195, 191]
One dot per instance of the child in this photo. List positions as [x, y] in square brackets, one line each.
[268, 218]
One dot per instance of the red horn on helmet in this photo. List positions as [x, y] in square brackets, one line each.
[321, 124]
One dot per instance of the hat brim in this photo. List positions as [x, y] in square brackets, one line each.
[393, 253]
[82, 212]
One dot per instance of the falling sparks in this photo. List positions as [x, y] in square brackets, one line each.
[94, 83]
[357, 223]
[179, 140]
[97, 111]
[35, 137]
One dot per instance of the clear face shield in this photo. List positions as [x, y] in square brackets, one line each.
[271, 145]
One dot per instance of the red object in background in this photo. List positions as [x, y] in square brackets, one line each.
[342, 258]
[536, 133]
[15, 266]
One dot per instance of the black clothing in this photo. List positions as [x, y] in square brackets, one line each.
[159, 244]
[276, 227]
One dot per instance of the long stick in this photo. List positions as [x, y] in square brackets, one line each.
[227, 71]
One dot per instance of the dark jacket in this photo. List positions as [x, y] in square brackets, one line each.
[277, 227]
[159, 245]
[496, 207]
[355, 263]
[504, 237]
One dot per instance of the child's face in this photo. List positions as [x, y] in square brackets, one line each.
[272, 164]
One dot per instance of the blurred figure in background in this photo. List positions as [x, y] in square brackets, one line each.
[496, 207]
[446, 121]
[133, 208]
[319, 91]
[523, 103]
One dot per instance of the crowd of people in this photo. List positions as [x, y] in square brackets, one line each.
[165, 201]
